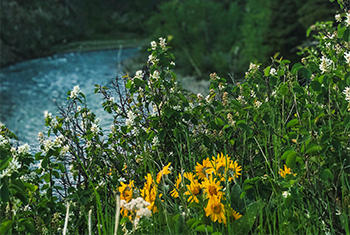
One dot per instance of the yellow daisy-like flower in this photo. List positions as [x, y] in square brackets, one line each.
[147, 185]
[234, 170]
[152, 198]
[201, 169]
[236, 214]
[126, 191]
[175, 191]
[164, 171]
[193, 190]
[212, 188]
[189, 176]
[215, 209]
[286, 171]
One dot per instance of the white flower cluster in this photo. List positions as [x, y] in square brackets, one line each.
[155, 75]
[47, 114]
[273, 72]
[162, 43]
[137, 205]
[347, 57]
[95, 128]
[23, 149]
[74, 93]
[13, 166]
[347, 21]
[131, 118]
[3, 141]
[337, 17]
[139, 74]
[152, 59]
[155, 141]
[252, 69]
[257, 103]
[347, 93]
[325, 64]
[111, 99]
[153, 45]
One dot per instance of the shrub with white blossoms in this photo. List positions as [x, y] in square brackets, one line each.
[75, 92]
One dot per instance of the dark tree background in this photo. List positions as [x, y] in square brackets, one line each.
[221, 36]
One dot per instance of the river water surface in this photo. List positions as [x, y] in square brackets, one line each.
[30, 88]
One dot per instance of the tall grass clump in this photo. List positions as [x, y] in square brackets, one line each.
[263, 156]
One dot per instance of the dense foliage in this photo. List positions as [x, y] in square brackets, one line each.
[265, 156]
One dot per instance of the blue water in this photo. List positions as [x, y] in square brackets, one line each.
[31, 87]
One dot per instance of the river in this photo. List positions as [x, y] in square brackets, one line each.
[30, 88]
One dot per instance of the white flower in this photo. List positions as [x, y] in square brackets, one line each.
[199, 96]
[273, 71]
[347, 21]
[252, 94]
[139, 74]
[285, 194]
[257, 103]
[130, 120]
[95, 128]
[155, 141]
[162, 43]
[143, 212]
[325, 64]
[23, 149]
[79, 108]
[347, 93]
[41, 137]
[347, 57]
[172, 63]
[111, 99]
[338, 17]
[153, 45]
[155, 75]
[113, 129]
[53, 122]
[273, 93]
[3, 141]
[74, 93]
[152, 59]
[122, 179]
[48, 144]
[64, 149]
[47, 114]
[97, 121]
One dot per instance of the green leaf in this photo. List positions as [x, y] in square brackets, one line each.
[284, 89]
[219, 122]
[267, 71]
[176, 217]
[296, 68]
[313, 149]
[5, 192]
[204, 228]
[288, 202]
[128, 84]
[5, 226]
[29, 226]
[287, 153]
[292, 123]
[340, 31]
[244, 224]
[46, 177]
[216, 233]
[315, 85]
[285, 61]
[168, 112]
[190, 222]
[291, 160]
[326, 174]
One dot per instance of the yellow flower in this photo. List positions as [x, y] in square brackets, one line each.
[164, 171]
[126, 191]
[147, 185]
[215, 209]
[152, 198]
[212, 188]
[201, 169]
[175, 191]
[286, 171]
[234, 170]
[193, 189]
[189, 176]
[236, 214]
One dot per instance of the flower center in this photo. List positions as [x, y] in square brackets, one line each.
[216, 208]
[196, 190]
[212, 190]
